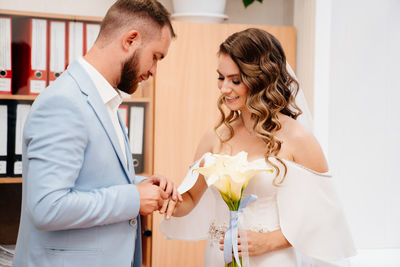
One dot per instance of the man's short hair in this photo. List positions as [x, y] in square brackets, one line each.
[139, 14]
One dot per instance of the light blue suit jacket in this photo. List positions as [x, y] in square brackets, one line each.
[78, 199]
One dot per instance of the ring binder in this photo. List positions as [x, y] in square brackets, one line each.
[136, 135]
[57, 49]
[18, 111]
[5, 55]
[132, 114]
[3, 137]
[29, 52]
[38, 74]
[75, 34]
[91, 32]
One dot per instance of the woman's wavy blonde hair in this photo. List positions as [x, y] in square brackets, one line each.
[271, 89]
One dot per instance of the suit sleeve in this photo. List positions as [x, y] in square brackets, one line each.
[55, 138]
[139, 179]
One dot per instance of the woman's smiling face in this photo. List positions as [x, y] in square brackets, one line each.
[232, 88]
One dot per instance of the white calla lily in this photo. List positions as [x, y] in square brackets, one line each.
[230, 175]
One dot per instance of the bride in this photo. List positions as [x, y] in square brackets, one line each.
[297, 219]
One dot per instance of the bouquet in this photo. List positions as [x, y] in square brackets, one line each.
[230, 175]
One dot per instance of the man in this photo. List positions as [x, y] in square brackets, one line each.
[81, 199]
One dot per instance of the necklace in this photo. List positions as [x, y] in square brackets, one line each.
[247, 130]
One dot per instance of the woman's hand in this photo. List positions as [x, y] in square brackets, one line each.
[169, 207]
[260, 243]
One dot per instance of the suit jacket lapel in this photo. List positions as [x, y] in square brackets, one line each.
[93, 98]
[131, 169]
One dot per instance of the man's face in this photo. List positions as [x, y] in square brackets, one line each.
[143, 63]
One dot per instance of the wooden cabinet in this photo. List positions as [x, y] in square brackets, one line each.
[186, 95]
[10, 187]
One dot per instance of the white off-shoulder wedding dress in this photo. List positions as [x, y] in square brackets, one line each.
[305, 207]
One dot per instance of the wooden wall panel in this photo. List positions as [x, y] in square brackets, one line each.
[185, 100]
[185, 107]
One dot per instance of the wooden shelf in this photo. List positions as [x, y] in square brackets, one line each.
[138, 99]
[18, 180]
[16, 13]
[18, 97]
[10, 180]
[33, 97]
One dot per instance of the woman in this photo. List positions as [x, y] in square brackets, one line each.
[296, 220]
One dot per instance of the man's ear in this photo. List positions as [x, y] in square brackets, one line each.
[131, 40]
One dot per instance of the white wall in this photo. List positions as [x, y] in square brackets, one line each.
[321, 72]
[270, 12]
[304, 21]
[364, 127]
[349, 57]
[71, 7]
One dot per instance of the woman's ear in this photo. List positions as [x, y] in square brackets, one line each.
[131, 39]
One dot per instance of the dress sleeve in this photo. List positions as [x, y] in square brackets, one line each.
[194, 226]
[312, 218]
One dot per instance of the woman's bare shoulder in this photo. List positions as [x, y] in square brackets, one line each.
[303, 146]
[207, 143]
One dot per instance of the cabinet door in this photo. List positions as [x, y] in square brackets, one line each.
[185, 108]
[10, 208]
[186, 93]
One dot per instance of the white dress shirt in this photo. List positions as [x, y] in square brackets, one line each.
[110, 97]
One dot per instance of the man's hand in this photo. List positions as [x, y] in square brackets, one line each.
[167, 186]
[157, 192]
[151, 196]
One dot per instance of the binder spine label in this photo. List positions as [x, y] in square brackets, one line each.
[5, 44]
[92, 31]
[3, 167]
[22, 115]
[37, 86]
[18, 167]
[5, 55]
[75, 43]
[136, 134]
[3, 130]
[5, 84]
[39, 47]
[57, 46]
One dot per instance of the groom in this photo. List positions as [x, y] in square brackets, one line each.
[81, 199]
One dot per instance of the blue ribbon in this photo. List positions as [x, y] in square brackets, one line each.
[231, 235]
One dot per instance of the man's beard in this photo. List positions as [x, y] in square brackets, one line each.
[129, 74]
